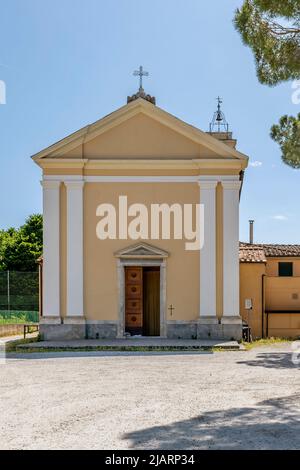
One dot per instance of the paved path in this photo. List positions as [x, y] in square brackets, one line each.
[107, 400]
[8, 339]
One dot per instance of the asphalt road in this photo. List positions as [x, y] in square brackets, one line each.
[224, 400]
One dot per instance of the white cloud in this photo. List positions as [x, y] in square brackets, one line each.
[255, 164]
[279, 217]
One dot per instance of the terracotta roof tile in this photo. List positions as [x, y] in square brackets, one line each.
[259, 252]
[252, 254]
[282, 250]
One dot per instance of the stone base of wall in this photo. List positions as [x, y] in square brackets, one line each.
[220, 331]
[101, 330]
[77, 329]
[227, 329]
[182, 330]
[230, 329]
[61, 332]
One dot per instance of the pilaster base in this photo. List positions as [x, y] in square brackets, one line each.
[67, 329]
[232, 327]
[208, 320]
[231, 320]
[226, 328]
[50, 320]
[208, 327]
[74, 320]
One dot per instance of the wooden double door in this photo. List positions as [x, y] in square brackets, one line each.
[142, 300]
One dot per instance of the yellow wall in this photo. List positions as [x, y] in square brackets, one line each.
[280, 293]
[142, 136]
[284, 325]
[251, 288]
[272, 265]
[278, 296]
[283, 293]
[100, 264]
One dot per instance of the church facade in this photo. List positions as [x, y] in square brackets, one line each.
[141, 229]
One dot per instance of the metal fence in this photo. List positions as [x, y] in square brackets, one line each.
[19, 295]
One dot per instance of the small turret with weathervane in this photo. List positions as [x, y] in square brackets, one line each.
[219, 127]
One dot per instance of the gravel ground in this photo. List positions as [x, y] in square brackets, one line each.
[224, 400]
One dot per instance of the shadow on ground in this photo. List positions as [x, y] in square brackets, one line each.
[271, 424]
[275, 360]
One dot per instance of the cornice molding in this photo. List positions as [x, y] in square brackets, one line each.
[141, 164]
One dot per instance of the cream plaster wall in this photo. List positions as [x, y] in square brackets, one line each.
[100, 264]
[142, 136]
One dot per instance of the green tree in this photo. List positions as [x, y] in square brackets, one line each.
[20, 248]
[286, 134]
[272, 29]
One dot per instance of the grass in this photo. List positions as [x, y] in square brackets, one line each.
[15, 317]
[12, 346]
[265, 342]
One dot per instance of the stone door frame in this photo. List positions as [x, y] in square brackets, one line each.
[151, 257]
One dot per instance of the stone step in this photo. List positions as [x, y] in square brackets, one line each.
[131, 345]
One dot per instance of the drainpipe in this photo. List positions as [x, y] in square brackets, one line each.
[263, 305]
[242, 176]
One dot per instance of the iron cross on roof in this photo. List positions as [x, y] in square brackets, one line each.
[141, 73]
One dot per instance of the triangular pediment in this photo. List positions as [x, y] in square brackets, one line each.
[139, 130]
[142, 250]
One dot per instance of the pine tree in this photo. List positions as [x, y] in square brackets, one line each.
[286, 134]
[272, 29]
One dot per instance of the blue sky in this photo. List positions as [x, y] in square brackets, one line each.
[67, 63]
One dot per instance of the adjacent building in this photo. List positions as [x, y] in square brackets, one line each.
[270, 280]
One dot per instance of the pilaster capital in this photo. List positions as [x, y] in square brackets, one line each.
[50, 184]
[74, 184]
[236, 185]
[207, 184]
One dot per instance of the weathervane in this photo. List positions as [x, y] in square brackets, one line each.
[219, 119]
[141, 73]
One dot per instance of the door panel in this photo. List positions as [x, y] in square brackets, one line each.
[151, 302]
[134, 300]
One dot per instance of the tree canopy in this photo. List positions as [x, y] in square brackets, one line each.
[272, 29]
[20, 248]
[286, 134]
